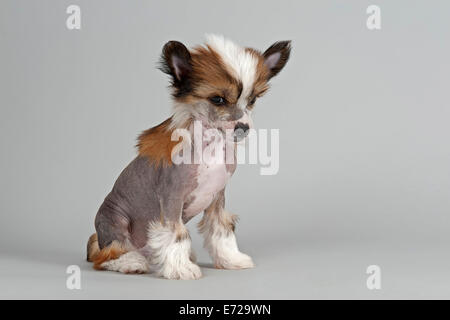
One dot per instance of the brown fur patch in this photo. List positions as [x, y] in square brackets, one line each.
[156, 144]
[111, 252]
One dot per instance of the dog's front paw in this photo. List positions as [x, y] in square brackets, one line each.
[237, 260]
[187, 271]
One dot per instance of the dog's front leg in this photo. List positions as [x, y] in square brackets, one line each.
[217, 226]
[168, 246]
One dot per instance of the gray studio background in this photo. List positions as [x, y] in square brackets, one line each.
[364, 145]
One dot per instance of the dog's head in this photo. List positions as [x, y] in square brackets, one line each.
[220, 82]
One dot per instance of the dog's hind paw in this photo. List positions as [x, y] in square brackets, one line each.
[134, 268]
[130, 263]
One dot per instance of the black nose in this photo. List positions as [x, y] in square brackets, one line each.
[240, 131]
[243, 126]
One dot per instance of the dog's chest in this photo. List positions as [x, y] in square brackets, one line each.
[211, 178]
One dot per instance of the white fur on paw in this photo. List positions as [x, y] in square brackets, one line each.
[187, 271]
[130, 262]
[237, 260]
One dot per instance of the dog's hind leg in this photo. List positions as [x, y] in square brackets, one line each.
[110, 248]
[217, 227]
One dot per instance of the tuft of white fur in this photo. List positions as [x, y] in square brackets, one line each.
[130, 262]
[184, 112]
[170, 258]
[222, 246]
[242, 63]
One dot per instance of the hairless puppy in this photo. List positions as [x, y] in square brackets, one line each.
[140, 227]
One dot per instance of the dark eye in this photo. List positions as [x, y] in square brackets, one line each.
[252, 102]
[218, 101]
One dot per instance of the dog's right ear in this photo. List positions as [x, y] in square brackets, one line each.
[176, 62]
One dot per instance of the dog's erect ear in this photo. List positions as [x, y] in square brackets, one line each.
[276, 56]
[176, 62]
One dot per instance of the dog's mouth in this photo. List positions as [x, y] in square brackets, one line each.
[235, 131]
[240, 131]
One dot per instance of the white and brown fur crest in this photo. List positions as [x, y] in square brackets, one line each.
[220, 68]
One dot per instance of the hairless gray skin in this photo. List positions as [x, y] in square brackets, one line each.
[139, 196]
[141, 224]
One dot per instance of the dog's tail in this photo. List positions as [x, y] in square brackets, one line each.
[99, 256]
[92, 248]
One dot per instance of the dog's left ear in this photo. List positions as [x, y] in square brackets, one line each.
[176, 62]
[276, 56]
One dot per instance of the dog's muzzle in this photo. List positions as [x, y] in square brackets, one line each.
[240, 131]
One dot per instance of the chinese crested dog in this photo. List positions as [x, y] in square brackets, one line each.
[140, 227]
